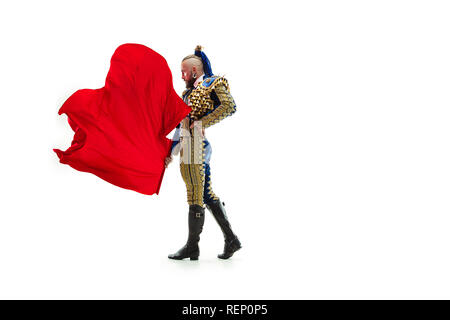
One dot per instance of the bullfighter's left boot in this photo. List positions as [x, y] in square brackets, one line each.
[232, 243]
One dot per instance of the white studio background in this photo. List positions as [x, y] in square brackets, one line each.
[334, 169]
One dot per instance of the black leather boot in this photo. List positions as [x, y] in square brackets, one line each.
[232, 243]
[195, 221]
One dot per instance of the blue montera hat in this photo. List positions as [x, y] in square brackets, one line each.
[206, 65]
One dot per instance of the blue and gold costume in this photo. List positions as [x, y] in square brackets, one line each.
[211, 102]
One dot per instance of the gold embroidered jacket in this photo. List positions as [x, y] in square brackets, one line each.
[211, 101]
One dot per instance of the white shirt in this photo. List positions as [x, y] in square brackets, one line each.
[199, 79]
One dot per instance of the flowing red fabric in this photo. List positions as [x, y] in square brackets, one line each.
[120, 129]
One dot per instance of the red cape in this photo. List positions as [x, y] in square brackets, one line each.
[120, 129]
